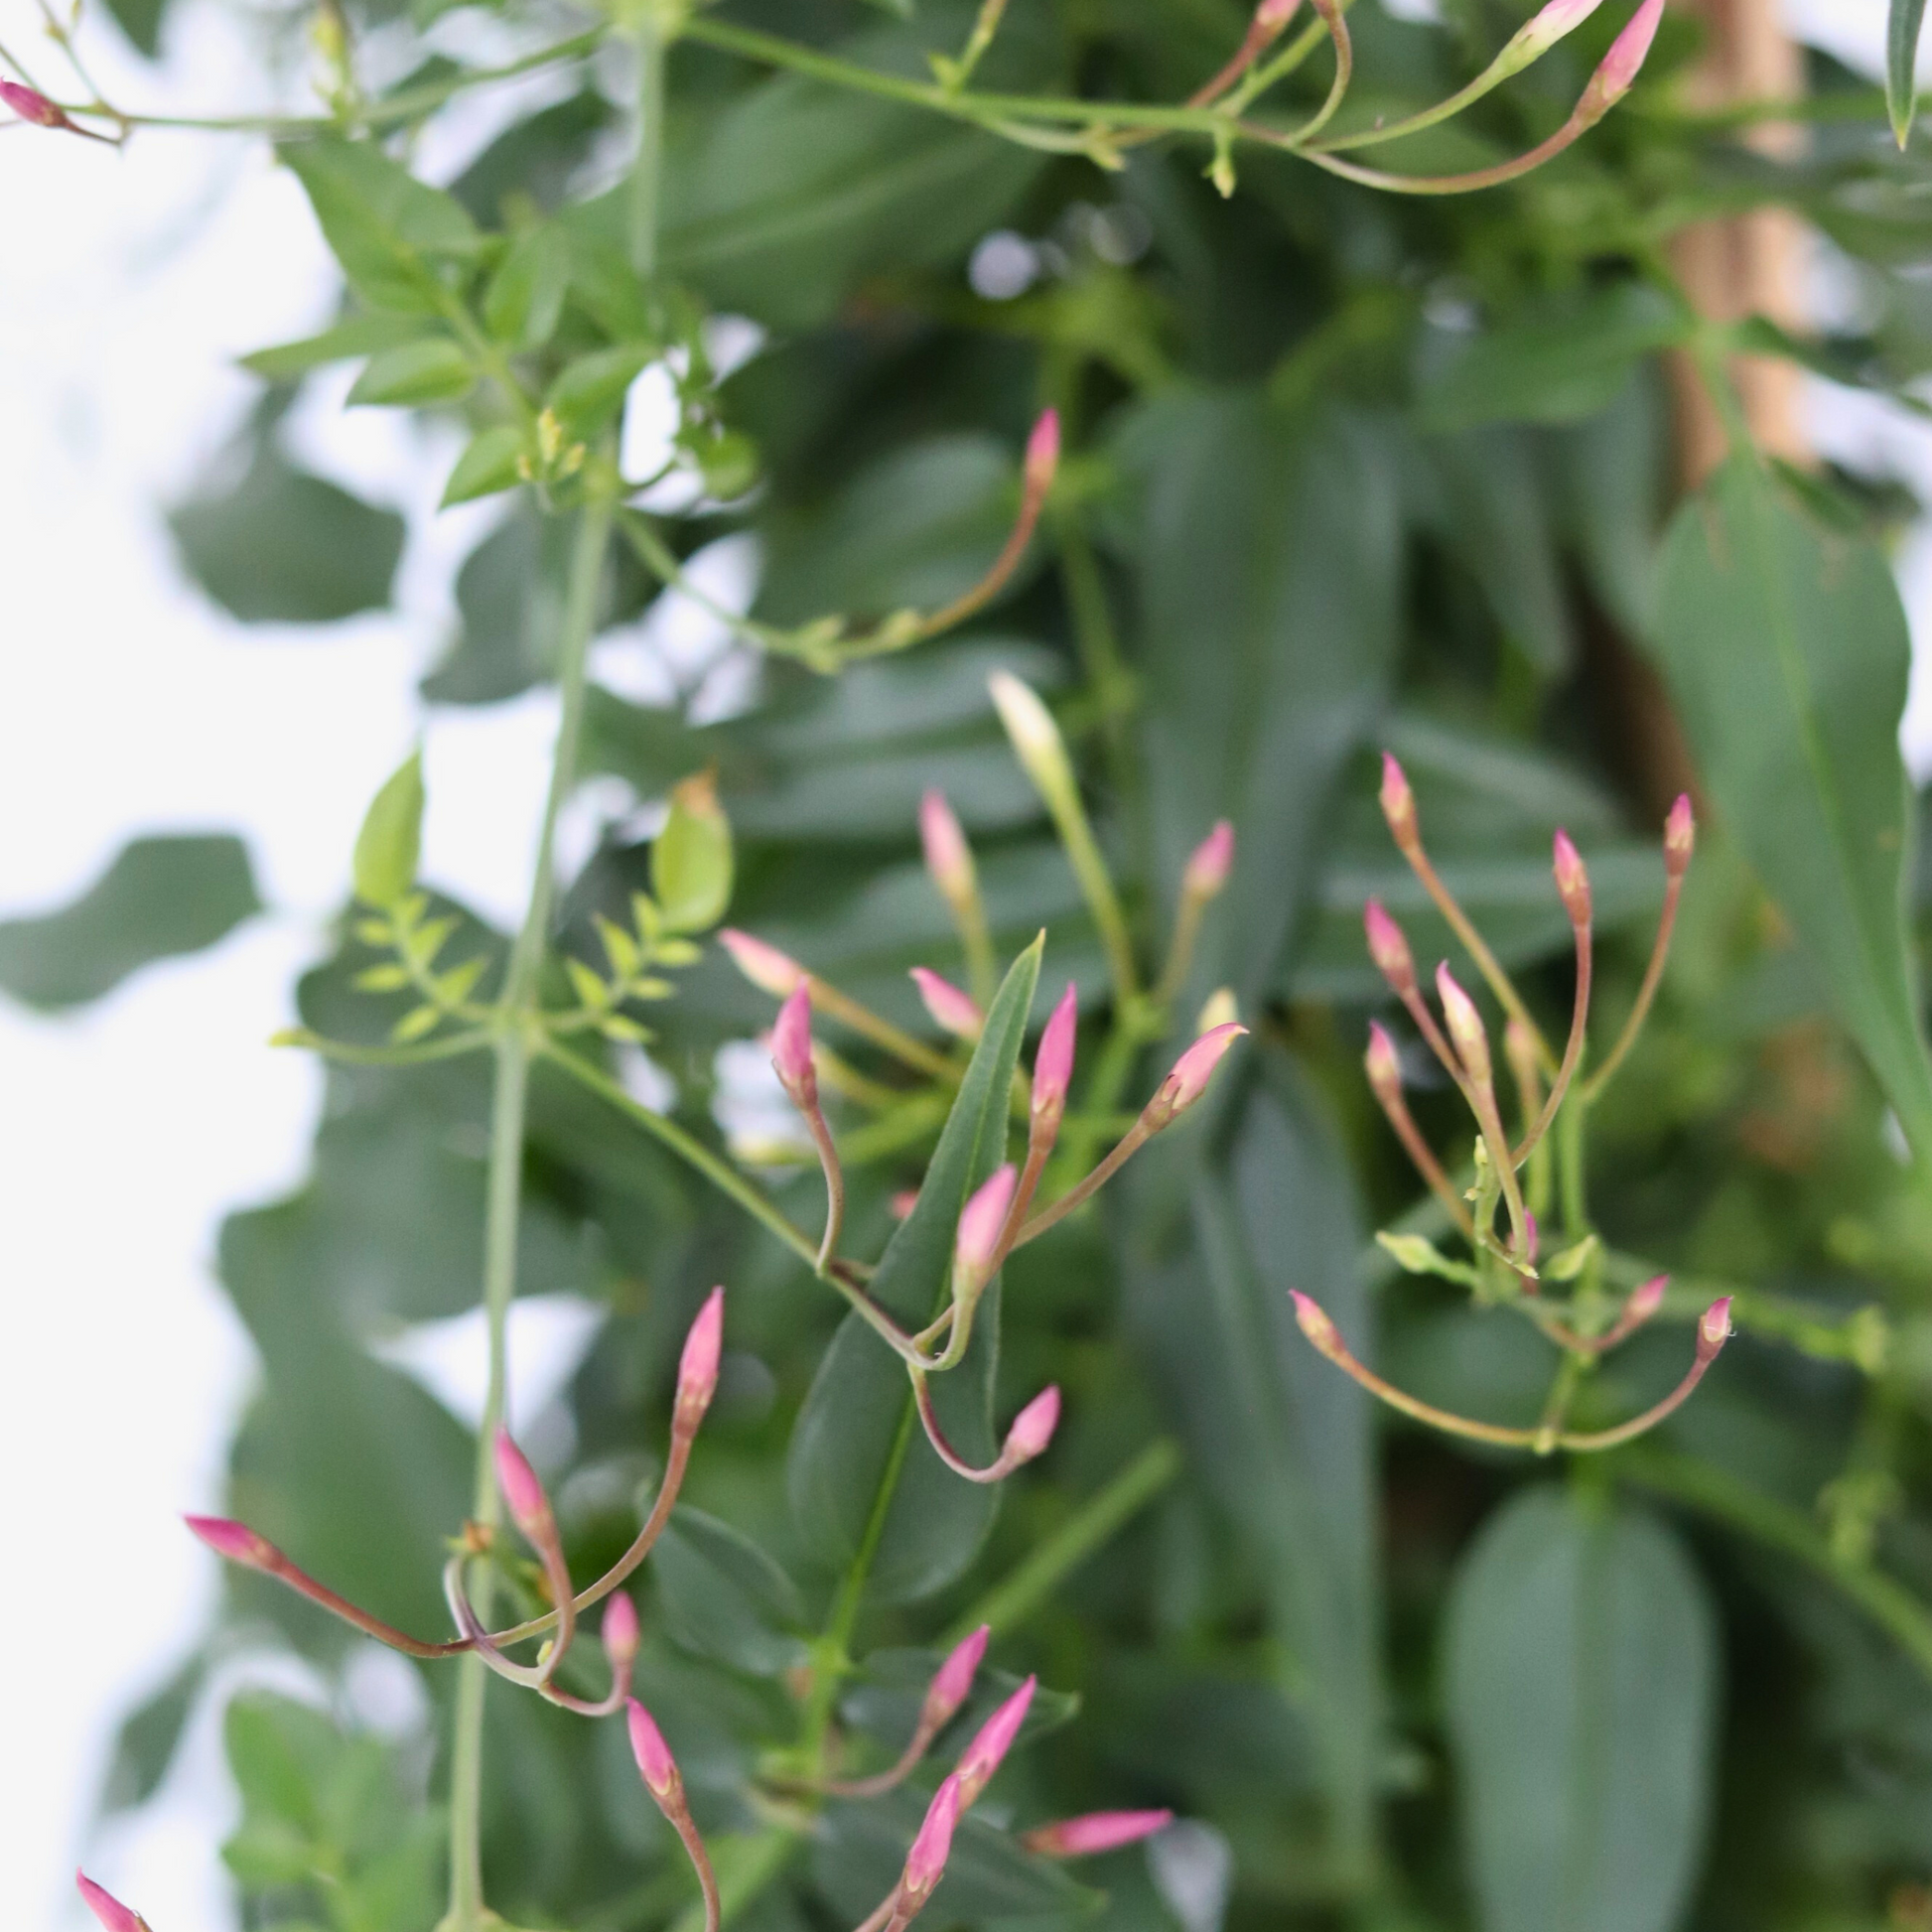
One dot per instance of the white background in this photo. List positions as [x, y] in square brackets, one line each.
[128, 283]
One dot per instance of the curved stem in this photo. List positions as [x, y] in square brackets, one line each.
[1136, 1138]
[1423, 1156]
[895, 1775]
[1337, 31]
[1653, 974]
[1572, 1051]
[994, 1471]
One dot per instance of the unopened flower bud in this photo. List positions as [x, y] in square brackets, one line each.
[1532, 1239]
[1573, 880]
[31, 106]
[1713, 1328]
[925, 1863]
[904, 1203]
[948, 857]
[655, 1764]
[952, 1011]
[981, 1222]
[696, 1370]
[1098, 1831]
[1191, 1075]
[1033, 1427]
[108, 1910]
[620, 1630]
[982, 1757]
[1464, 1024]
[1314, 1324]
[1680, 836]
[1399, 804]
[1389, 949]
[1646, 1300]
[791, 1048]
[528, 1506]
[1539, 33]
[1384, 1065]
[1219, 1009]
[770, 970]
[1053, 1063]
[952, 1681]
[1618, 71]
[1210, 863]
[1036, 739]
[235, 1542]
[1042, 455]
[1273, 15]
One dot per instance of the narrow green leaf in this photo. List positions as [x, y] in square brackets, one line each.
[526, 293]
[160, 898]
[358, 336]
[1581, 1686]
[436, 370]
[589, 394]
[488, 465]
[1902, 26]
[846, 1458]
[691, 858]
[390, 842]
[1787, 652]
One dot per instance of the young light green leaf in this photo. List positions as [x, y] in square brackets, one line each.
[1581, 1688]
[1787, 652]
[390, 844]
[1902, 26]
[589, 394]
[436, 370]
[526, 293]
[855, 1448]
[1416, 1255]
[358, 336]
[592, 994]
[691, 858]
[488, 465]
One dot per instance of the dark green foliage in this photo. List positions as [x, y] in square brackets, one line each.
[160, 898]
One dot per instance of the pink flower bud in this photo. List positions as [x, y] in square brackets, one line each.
[1384, 1065]
[1273, 15]
[1465, 1027]
[770, 970]
[1398, 803]
[1389, 949]
[696, 1370]
[620, 1630]
[1713, 1330]
[34, 106]
[529, 1507]
[1053, 1063]
[1573, 880]
[1314, 1324]
[1614, 76]
[981, 1223]
[1530, 1229]
[1558, 18]
[952, 1681]
[1098, 1831]
[1042, 455]
[654, 1761]
[948, 857]
[235, 1542]
[981, 1759]
[115, 1916]
[1644, 1301]
[791, 1048]
[1033, 1427]
[925, 1863]
[1680, 836]
[1191, 1074]
[1210, 863]
[952, 1011]
[904, 1203]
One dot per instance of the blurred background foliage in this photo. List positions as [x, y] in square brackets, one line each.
[1344, 471]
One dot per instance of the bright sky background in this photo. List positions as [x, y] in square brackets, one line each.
[128, 283]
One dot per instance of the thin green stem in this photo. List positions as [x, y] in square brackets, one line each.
[515, 1011]
[647, 169]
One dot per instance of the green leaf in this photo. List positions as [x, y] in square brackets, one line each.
[488, 465]
[140, 21]
[691, 858]
[1787, 652]
[526, 293]
[1580, 1685]
[357, 337]
[589, 394]
[1557, 362]
[160, 898]
[149, 1736]
[436, 370]
[390, 844]
[387, 230]
[1902, 26]
[724, 1598]
[856, 1446]
[280, 546]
